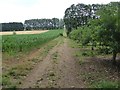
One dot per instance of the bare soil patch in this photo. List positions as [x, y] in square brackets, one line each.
[24, 32]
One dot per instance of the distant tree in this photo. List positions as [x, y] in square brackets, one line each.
[78, 15]
[12, 26]
[43, 24]
[61, 23]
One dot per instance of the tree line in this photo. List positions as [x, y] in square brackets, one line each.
[17, 26]
[36, 24]
[33, 24]
[78, 15]
[95, 25]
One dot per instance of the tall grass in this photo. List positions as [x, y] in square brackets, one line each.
[23, 43]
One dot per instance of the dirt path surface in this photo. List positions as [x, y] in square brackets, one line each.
[58, 69]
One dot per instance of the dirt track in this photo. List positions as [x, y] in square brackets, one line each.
[58, 69]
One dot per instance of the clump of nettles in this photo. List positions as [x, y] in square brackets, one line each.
[14, 33]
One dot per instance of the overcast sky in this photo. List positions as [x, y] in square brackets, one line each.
[20, 10]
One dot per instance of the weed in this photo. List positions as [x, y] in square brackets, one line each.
[14, 33]
[6, 83]
[51, 73]
[106, 84]
[54, 57]
[6, 80]
[81, 61]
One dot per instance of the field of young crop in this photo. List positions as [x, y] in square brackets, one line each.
[22, 43]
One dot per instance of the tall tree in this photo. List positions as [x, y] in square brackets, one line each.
[109, 18]
[78, 15]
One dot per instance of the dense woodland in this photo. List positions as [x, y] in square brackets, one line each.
[95, 25]
[13, 26]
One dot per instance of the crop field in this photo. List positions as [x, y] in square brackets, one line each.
[21, 43]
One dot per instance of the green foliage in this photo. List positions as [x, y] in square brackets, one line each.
[78, 15]
[86, 40]
[22, 43]
[105, 50]
[7, 83]
[6, 80]
[75, 34]
[48, 24]
[82, 35]
[88, 53]
[11, 26]
[106, 84]
[110, 28]
[14, 33]
[103, 31]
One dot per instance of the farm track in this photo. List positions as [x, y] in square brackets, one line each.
[58, 69]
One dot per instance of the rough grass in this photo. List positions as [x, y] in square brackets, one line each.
[95, 69]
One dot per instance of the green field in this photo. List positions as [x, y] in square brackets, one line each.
[12, 44]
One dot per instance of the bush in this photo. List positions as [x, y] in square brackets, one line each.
[75, 35]
[105, 50]
[88, 53]
[14, 33]
[61, 34]
[86, 40]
